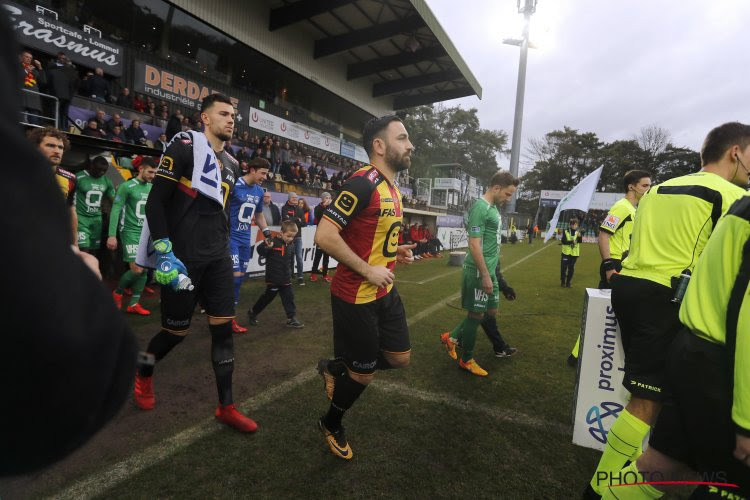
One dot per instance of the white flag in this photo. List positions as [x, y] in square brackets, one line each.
[578, 198]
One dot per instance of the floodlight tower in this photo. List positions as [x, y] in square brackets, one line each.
[527, 8]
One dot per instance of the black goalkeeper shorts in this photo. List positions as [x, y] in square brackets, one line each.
[361, 331]
[213, 281]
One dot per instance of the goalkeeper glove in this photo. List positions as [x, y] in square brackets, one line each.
[168, 267]
[267, 235]
[508, 292]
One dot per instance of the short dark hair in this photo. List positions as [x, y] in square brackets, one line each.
[722, 138]
[148, 162]
[257, 163]
[288, 225]
[99, 161]
[632, 177]
[573, 221]
[373, 128]
[37, 135]
[212, 99]
[503, 178]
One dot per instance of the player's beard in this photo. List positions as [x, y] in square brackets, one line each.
[395, 161]
[223, 136]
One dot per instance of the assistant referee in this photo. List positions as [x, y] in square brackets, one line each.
[675, 220]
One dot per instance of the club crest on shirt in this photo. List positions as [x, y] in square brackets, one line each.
[611, 222]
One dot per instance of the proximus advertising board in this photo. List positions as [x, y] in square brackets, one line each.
[599, 394]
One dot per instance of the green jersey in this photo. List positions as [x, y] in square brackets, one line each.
[484, 222]
[619, 225]
[716, 305]
[129, 207]
[89, 193]
[673, 224]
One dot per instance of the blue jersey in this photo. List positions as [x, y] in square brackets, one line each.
[245, 201]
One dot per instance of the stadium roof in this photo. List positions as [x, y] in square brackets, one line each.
[397, 46]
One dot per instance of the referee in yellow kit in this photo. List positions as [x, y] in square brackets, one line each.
[674, 222]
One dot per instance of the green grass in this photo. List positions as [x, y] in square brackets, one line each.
[404, 446]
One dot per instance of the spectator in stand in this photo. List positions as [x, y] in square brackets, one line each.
[312, 169]
[125, 99]
[337, 180]
[32, 76]
[325, 200]
[162, 142]
[275, 155]
[286, 171]
[174, 125]
[186, 124]
[101, 120]
[316, 183]
[97, 86]
[117, 134]
[308, 181]
[92, 129]
[308, 216]
[139, 104]
[292, 211]
[285, 156]
[62, 81]
[151, 109]
[270, 210]
[115, 121]
[135, 133]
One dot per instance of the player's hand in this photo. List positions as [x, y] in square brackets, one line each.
[404, 254]
[168, 267]
[268, 242]
[487, 283]
[379, 276]
[609, 274]
[742, 450]
[509, 293]
[37, 64]
[112, 243]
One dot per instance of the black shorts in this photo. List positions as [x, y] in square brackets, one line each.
[213, 281]
[603, 284]
[361, 331]
[695, 424]
[649, 321]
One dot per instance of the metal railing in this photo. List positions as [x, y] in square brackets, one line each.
[37, 120]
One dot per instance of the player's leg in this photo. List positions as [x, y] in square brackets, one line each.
[298, 250]
[176, 313]
[240, 255]
[355, 340]
[469, 282]
[499, 345]
[477, 303]
[216, 288]
[138, 275]
[395, 346]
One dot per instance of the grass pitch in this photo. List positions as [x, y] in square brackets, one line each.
[430, 430]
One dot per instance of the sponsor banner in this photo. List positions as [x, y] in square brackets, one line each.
[81, 116]
[82, 46]
[450, 221]
[294, 131]
[599, 394]
[347, 149]
[600, 201]
[169, 86]
[453, 237]
[257, 265]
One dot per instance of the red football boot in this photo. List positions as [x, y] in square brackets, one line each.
[138, 309]
[313, 277]
[327, 278]
[233, 418]
[144, 392]
[236, 328]
[117, 297]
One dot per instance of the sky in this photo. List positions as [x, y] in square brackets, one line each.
[607, 66]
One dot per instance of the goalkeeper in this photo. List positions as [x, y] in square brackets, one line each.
[189, 224]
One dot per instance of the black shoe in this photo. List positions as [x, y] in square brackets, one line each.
[506, 353]
[294, 323]
[252, 319]
[572, 361]
[301, 281]
[567, 285]
[562, 284]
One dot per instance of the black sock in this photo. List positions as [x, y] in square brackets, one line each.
[160, 345]
[222, 356]
[383, 363]
[345, 393]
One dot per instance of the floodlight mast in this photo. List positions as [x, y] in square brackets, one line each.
[527, 8]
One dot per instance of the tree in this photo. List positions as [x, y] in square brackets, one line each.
[618, 157]
[674, 162]
[452, 135]
[653, 140]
